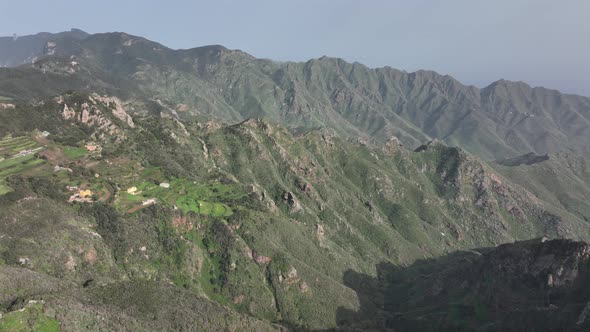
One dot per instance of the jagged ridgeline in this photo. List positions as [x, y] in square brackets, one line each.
[503, 120]
[143, 188]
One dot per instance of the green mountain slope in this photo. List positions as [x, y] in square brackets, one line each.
[253, 217]
[19, 50]
[562, 181]
[145, 188]
[502, 120]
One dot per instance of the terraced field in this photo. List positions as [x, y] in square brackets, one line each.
[212, 199]
[74, 153]
[199, 198]
[10, 146]
[17, 155]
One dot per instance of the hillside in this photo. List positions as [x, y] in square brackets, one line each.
[262, 221]
[535, 285]
[145, 188]
[562, 180]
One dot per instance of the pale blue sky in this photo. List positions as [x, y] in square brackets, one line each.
[541, 42]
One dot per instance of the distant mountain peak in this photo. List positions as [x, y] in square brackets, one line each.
[79, 32]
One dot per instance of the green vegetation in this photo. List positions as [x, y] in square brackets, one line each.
[75, 153]
[2, 98]
[415, 106]
[31, 318]
[227, 229]
[15, 165]
[4, 189]
[206, 199]
[14, 145]
[11, 164]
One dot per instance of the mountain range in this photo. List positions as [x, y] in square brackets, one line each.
[504, 119]
[146, 188]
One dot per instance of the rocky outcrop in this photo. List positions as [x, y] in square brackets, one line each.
[319, 233]
[392, 145]
[6, 106]
[94, 113]
[260, 259]
[432, 144]
[117, 108]
[258, 193]
[294, 205]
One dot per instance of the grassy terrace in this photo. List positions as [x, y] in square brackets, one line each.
[212, 199]
[74, 153]
[9, 164]
[31, 318]
[203, 199]
[9, 146]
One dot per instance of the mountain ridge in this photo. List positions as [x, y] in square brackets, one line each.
[499, 121]
[219, 46]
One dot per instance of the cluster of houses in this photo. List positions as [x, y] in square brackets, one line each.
[85, 195]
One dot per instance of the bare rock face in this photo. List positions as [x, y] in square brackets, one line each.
[292, 273]
[50, 48]
[319, 232]
[260, 194]
[433, 144]
[6, 106]
[328, 139]
[304, 287]
[392, 145]
[117, 108]
[304, 186]
[68, 113]
[94, 114]
[260, 259]
[292, 201]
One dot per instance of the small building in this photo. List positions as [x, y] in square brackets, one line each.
[91, 147]
[149, 201]
[132, 191]
[165, 185]
[58, 168]
[45, 133]
[85, 193]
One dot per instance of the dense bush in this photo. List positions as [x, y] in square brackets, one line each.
[109, 226]
[27, 186]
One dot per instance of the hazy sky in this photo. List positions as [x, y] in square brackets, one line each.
[541, 42]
